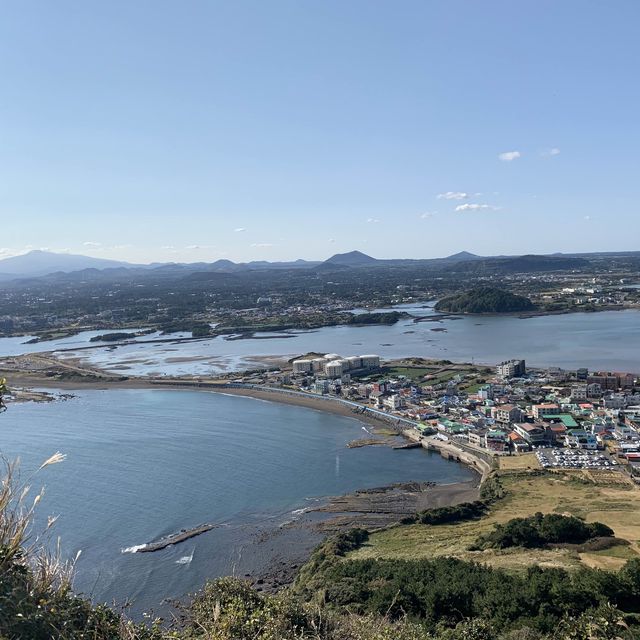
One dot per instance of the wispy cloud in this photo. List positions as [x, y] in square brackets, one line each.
[509, 156]
[554, 151]
[587, 218]
[427, 214]
[331, 240]
[92, 244]
[467, 207]
[453, 195]
[261, 245]
[373, 220]
[239, 230]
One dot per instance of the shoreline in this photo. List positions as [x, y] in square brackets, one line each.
[372, 509]
[324, 403]
[381, 423]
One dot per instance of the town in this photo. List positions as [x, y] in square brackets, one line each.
[568, 419]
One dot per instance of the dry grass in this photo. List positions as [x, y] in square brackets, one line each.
[618, 506]
[520, 462]
[20, 544]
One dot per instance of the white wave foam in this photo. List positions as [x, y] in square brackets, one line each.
[185, 559]
[133, 549]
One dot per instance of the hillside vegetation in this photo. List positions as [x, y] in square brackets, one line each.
[337, 596]
[484, 300]
[590, 496]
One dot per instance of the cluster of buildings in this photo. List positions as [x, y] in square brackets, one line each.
[507, 411]
[333, 366]
[511, 411]
[516, 411]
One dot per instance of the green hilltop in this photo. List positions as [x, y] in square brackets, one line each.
[485, 300]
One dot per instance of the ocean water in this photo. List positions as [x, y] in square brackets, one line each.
[607, 340]
[142, 464]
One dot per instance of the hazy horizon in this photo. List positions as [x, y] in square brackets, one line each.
[302, 258]
[156, 132]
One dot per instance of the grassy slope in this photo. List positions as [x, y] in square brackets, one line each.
[588, 495]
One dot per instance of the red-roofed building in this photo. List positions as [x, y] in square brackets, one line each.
[518, 443]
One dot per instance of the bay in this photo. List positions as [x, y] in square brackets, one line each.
[142, 464]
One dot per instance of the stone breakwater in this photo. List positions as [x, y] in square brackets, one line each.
[175, 538]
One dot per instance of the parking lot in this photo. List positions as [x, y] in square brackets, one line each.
[574, 459]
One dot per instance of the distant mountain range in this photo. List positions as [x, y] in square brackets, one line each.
[36, 264]
[41, 263]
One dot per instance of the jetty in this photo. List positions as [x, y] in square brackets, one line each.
[176, 538]
[408, 445]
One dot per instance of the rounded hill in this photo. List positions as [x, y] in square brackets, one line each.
[485, 300]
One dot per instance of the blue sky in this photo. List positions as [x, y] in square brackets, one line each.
[195, 130]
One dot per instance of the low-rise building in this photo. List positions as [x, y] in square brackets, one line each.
[518, 443]
[534, 434]
[496, 440]
[543, 410]
[580, 439]
[393, 402]
[476, 437]
[506, 413]
[511, 369]
[320, 386]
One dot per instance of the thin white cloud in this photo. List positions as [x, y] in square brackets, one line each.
[239, 230]
[331, 240]
[168, 247]
[453, 195]
[193, 247]
[373, 220]
[509, 156]
[466, 207]
[262, 245]
[588, 218]
[554, 151]
[92, 244]
[427, 214]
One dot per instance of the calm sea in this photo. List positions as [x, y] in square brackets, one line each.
[606, 340]
[146, 463]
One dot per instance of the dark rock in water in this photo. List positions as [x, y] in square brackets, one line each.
[185, 534]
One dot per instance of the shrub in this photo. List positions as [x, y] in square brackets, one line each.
[540, 530]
